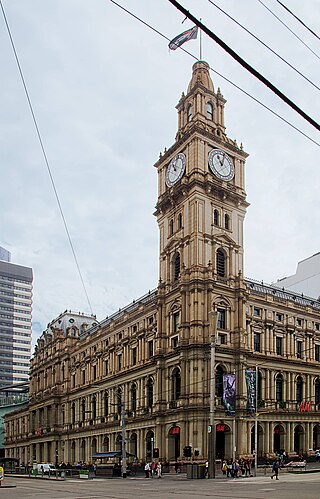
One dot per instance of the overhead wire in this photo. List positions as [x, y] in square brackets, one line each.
[45, 155]
[244, 64]
[220, 75]
[288, 28]
[264, 44]
[297, 18]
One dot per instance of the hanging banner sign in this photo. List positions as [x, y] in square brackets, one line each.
[251, 390]
[229, 393]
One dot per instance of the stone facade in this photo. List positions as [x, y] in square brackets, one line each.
[153, 356]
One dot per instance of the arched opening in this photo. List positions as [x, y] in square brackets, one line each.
[174, 443]
[176, 267]
[223, 441]
[216, 217]
[134, 397]
[149, 445]
[279, 388]
[106, 404]
[73, 412]
[94, 408]
[180, 221]
[299, 390]
[119, 400]
[316, 437]
[219, 381]
[278, 438]
[176, 384]
[73, 452]
[227, 221]
[150, 393]
[298, 439]
[317, 391]
[93, 446]
[133, 444]
[106, 444]
[83, 451]
[260, 440]
[210, 111]
[221, 263]
[83, 410]
[119, 443]
[189, 112]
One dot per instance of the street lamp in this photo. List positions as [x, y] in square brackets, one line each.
[212, 427]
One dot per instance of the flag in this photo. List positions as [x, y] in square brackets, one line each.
[251, 390]
[229, 393]
[190, 34]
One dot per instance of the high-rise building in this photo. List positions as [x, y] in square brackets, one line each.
[15, 322]
[5, 255]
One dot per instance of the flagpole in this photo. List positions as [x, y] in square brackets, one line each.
[200, 38]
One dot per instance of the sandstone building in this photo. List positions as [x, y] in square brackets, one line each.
[155, 353]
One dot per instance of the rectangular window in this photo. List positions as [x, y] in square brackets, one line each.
[317, 326]
[83, 376]
[134, 356]
[317, 353]
[222, 339]
[119, 362]
[174, 341]
[175, 322]
[221, 318]
[106, 367]
[299, 322]
[279, 317]
[257, 312]
[150, 349]
[299, 349]
[94, 373]
[257, 342]
[278, 345]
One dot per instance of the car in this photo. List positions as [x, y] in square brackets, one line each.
[46, 468]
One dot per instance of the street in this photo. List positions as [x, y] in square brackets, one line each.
[290, 486]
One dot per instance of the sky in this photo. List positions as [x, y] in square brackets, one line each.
[104, 87]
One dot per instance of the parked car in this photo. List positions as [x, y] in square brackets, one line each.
[46, 468]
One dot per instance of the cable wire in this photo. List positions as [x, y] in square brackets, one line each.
[291, 31]
[245, 65]
[45, 155]
[265, 45]
[220, 75]
[297, 18]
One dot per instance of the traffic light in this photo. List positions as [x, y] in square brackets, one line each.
[187, 451]
[156, 452]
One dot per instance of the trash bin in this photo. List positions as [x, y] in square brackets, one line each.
[192, 470]
[201, 471]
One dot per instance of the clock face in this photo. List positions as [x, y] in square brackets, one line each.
[221, 164]
[176, 169]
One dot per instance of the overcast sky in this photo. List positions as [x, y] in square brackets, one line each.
[104, 88]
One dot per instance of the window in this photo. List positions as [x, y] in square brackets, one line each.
[317, 391]
[174, 341]
[106, 367]
[150, 349]
[317, 326]
[299, 349]
[221, 318]
[210, 111]
[83, 377]
[73, 380]
[175, 322]
[219, 381]
[106, 404]
[176, 267]
[257, 312]
[83, 410]
[227, 221]
[94, 373]
[134, 356]
[317, 353]
[176, 384]
[119, 400]
[119, 362]
[180, 221]
[279, 317]
[216, 217]
[93, 408]
[134, 397]
[73, 413]
[171, 228]
[299, 322]
[279, 388]
[299, 390]
[257, 342]
[221, 264]
[278, 345]
[150, 393]
[222, 339]
[189, 113]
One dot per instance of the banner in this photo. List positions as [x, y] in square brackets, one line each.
[229, 393]
[251, 390]
[190, 34]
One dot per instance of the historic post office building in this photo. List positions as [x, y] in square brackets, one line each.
[154, 355]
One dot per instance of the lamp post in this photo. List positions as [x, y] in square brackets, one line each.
[123, 436]
[212, 426]
[256, 427]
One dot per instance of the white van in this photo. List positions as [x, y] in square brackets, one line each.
[46, 468]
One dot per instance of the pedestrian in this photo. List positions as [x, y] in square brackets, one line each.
[275, 469]
[147, 470]
[224, 467]
[158, 470]
[229, 468]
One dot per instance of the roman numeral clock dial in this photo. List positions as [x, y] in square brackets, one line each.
[176, 169]
[221, 165]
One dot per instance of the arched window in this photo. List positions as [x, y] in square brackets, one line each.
[176, 267]
[299, 390]
[210, 111]
[219, 381]
[150, 393]
[221, 263]
[134, 397]
[171, 228]
[216, 217]
[176, 384]
[317, 391]
[180, 221]
[106, 404]
[227, 221]
[189, 113]
[106, 444]
[119, 400]
[93, 408]
[73, 412]
[83, 410]
[279, 388]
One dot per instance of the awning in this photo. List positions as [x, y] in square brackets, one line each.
[115, 453]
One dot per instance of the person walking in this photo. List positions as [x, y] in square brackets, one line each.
[147, 470]
[159, 470]
[275, 469]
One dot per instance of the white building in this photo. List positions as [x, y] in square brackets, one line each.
[306, 280]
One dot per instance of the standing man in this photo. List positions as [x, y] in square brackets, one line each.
[275, 469]
[147, 469]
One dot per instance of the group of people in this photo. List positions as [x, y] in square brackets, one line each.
[153, 469]
[236, 468]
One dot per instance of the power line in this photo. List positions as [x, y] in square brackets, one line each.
[291, 31]
[264, 44]
[297, 18]
[220, 75]
[244, 64]
[45, 155]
